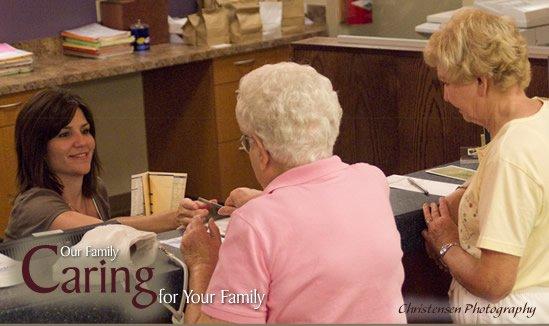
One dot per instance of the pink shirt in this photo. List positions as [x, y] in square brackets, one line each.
[320, 244]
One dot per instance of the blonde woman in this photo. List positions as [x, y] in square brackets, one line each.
[493, 234]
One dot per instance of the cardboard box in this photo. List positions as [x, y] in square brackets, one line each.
[122, 14]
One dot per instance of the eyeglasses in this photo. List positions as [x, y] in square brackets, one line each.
[245, 143]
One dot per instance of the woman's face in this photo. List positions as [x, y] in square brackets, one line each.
[71, 151]
[462, 96]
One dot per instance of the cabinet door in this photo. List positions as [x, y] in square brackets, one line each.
[225, 103]
[10, 106]
[234, 165]
[8, 170]
[235, 168]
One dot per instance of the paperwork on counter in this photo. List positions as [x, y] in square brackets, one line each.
[222, 224]
[453, 172]
[433, 187]
[10, 272]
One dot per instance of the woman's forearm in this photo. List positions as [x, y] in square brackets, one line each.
[160, 222]
[492, 277]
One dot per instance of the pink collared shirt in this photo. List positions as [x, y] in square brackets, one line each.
[319, 246]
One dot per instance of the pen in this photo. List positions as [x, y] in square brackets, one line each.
[415, 184]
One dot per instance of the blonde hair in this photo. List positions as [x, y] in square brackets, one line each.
[293, 109]
[478, 44]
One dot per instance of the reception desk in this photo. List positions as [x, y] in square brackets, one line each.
[424, 283]
[394, 114]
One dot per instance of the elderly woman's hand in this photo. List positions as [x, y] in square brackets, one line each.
[237, 198]
[189, 209]
[200, 248]
[440, 227]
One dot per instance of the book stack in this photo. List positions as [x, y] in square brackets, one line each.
[96, 41]
[14, 61]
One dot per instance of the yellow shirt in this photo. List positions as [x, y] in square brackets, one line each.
[506, 206]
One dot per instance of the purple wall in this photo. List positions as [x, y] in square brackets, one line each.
[31, 19]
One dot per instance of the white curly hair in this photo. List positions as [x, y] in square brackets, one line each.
[293, 109]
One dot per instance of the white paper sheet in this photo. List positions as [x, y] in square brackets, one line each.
[222, 224]
[10, 272]
[433, 187]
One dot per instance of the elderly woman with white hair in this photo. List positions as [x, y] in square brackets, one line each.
[319, 244]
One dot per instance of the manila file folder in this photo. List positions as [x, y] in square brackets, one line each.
[156, 192]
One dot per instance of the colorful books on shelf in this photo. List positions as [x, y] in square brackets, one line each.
[96, 41]
[14, 61]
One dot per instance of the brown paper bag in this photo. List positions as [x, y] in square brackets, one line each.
[246, 23]
[208, 4]
[293, 16]
[194, 31]
[225, 3]
[216, 22]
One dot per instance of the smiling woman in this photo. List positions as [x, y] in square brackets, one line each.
[58, 169]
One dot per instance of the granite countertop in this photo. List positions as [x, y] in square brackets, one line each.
[53, 68]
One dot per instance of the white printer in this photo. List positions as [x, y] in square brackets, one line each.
[531, 16]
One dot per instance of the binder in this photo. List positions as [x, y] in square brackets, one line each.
[156, 192]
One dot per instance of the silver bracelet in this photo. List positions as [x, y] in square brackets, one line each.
[443, 250]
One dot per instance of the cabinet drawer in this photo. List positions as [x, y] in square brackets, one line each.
[8, 171]
[225, 103]
[10, 105]
[235, 168]
[5, 209]
[232, 68]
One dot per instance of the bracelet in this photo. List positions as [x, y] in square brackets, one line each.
[443, 250]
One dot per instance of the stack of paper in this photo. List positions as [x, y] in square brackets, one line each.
[96, 41]
[14, 61]
[10, 272]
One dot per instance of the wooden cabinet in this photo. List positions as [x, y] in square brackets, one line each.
[10, 105]
[191, 123]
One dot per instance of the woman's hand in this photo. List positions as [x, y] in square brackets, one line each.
[237, 198]
[189, 209]
[200, 248]
[440, 227]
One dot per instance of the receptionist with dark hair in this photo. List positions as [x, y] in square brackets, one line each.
[58, 168]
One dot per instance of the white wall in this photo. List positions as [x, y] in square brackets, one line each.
[398, 18]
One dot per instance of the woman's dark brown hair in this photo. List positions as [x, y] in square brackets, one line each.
[40, 120]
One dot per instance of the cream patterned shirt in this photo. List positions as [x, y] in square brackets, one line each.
[506, 206]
